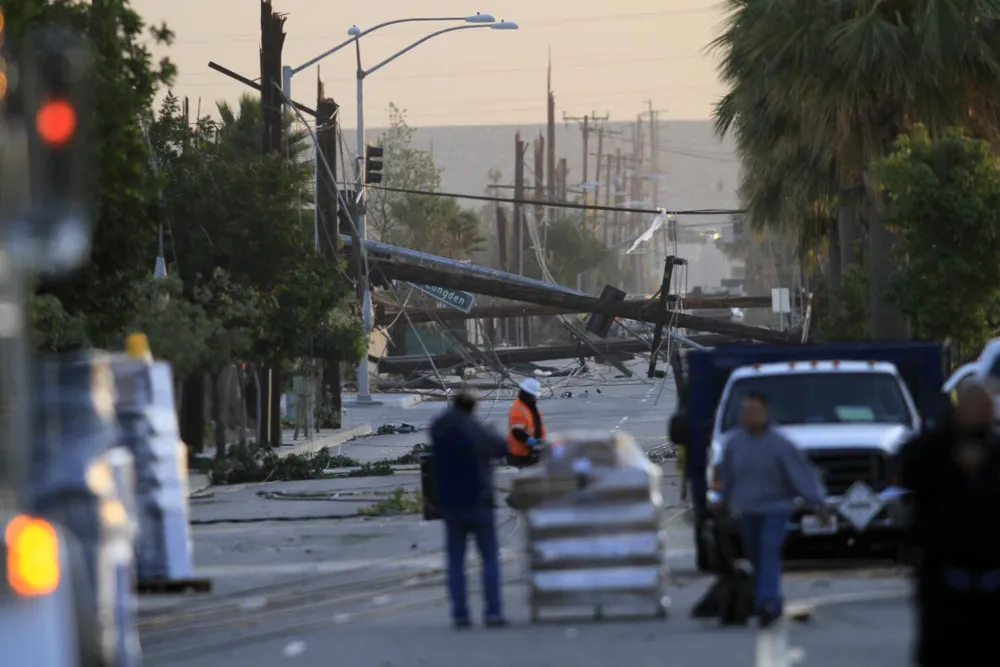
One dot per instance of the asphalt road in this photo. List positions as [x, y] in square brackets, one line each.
[370, 592]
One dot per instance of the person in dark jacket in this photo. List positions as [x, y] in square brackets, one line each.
[954, 473]
[463, 449]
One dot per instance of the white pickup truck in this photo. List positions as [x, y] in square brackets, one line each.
[850, 419]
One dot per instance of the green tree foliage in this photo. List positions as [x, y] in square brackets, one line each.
[945, 195]
[570, 249]
[179, 329]
[820, 90]
[126, 81]
[241, 239]
[55, 330]
[436, 225]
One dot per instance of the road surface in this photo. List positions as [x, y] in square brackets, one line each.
[296, 586]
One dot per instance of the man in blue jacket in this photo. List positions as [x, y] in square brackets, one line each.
[463, 449]
[763, 473]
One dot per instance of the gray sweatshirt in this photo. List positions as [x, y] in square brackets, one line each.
[764, 473]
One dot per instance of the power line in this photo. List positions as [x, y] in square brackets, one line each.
[498, 70]
[325, 36]
[536, 202]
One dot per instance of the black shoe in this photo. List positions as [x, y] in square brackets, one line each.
[767, 617]
[496, 622]
[462, 623]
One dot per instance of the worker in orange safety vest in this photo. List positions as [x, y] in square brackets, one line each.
[524, 426]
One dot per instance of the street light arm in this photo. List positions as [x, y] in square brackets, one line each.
[415, 20]
[417, 43]
[354, 38]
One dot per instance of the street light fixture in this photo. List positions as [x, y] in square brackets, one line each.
[355, 34]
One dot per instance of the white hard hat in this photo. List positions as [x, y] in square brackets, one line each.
[532, 386]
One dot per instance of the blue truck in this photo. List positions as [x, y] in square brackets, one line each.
[849, 406]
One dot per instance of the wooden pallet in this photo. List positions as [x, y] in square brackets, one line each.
[173, 586]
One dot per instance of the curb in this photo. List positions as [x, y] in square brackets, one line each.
[334, 440]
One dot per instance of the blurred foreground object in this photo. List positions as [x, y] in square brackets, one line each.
[148, 419]
[594, 516]
[48, 606]
[84, 481]
[48, 110]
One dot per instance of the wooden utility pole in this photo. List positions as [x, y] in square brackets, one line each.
[635, 195]
[328, 208]
[588, 124]
[539, 194]
[272, 40]
[597, 176]
[563, 172]
[550, 144]
[609, 190]
[616, 232]
[519, 240]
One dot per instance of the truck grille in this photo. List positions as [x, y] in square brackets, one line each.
[841, 468]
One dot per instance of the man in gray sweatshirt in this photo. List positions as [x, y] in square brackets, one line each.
[762, 474]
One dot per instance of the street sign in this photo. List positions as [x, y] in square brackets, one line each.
[860, 505]
[462, 301]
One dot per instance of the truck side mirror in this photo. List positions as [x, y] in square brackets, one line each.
[679, 430]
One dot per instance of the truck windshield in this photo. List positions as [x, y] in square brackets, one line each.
[823, 398]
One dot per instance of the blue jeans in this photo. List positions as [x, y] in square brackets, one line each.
[480, 523]
[763, 539]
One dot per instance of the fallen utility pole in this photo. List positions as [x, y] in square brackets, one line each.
[390, 313]
[602, 351]
[394, 263]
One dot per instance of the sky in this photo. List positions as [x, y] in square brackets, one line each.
[607, 57]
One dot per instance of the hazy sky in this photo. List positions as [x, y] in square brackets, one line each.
[606, 56]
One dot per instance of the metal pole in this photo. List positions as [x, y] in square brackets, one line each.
[364, 392]
[15, 390]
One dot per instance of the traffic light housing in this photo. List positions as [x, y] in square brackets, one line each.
[672, 229]
[55, 107]
[373, 164]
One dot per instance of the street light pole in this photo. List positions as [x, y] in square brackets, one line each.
[364, 390]
[475, 21]
[287, 72]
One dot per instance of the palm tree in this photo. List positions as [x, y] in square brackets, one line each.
[820, 89]
[240, 128]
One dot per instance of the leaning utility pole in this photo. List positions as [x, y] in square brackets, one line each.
[328, 212]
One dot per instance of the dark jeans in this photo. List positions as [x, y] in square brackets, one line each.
[481, 524]
[957, 618]
[763, 539]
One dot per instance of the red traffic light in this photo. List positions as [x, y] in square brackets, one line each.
[55, 122]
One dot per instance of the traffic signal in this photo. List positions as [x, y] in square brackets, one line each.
[672, 229]
[55, 108]
[373, 164]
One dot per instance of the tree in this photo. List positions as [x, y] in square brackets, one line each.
[126, 81]
[407, 168]
[945, 196]
[179, 330]
[825, 88]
